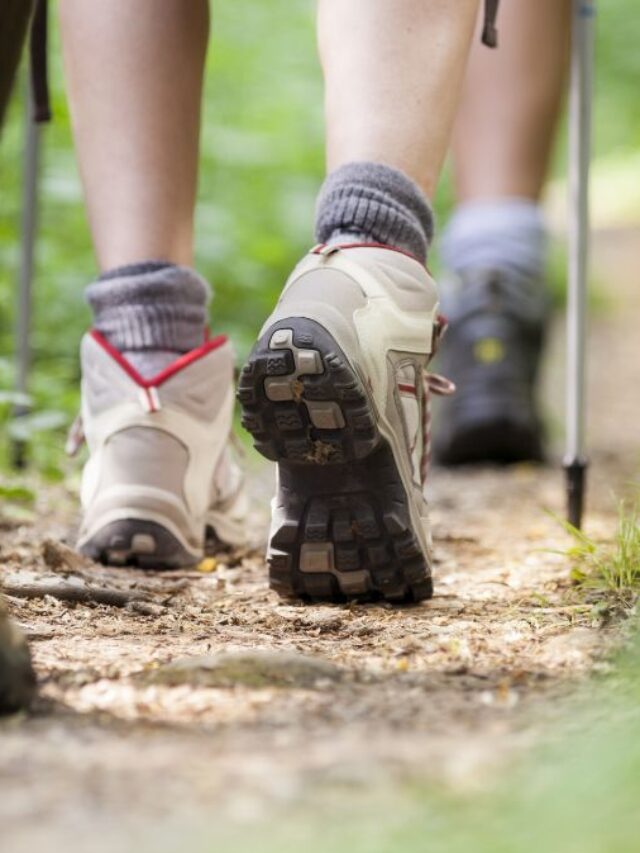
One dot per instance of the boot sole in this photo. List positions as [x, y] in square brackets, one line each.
[343, 526]
[139, 543]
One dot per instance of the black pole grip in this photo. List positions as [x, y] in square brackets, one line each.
[489, 29]
[14, 25]
[576, 474]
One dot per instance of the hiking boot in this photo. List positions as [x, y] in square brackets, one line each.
[17, 679]
[160, 473]
[335, 391]
[492, 353]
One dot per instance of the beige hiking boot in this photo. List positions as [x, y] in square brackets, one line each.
[160, 472]
[336, 391]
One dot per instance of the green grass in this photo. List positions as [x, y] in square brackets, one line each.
[609, 567]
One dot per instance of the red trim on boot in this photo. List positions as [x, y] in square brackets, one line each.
[407, 389]
[317, 250]
[175, 367]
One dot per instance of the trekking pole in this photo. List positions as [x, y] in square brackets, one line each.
[31, 161]
[575, 462]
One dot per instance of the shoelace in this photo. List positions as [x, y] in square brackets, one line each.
[433, 383]
[75, 437]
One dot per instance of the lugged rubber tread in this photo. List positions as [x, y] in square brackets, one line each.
[345, 529]
[115, 545]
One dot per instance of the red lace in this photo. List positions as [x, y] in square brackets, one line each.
[432, 383]
[442, 387]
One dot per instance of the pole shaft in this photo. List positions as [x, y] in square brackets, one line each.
[579, 160]
[28, 229]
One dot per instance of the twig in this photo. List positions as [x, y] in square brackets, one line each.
[60, 558]
[146, 608]
[71, 592]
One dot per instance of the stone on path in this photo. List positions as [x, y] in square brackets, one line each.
[251, 668]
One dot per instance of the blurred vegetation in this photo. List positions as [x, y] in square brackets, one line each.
[262, 161]
[576, 793]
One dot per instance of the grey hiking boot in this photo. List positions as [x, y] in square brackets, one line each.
[491, 352]
[160, 473]
[335, 390]
[17, 679]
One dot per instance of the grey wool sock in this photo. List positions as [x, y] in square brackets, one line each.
[374, 203]
[151, 312]
[507, 234]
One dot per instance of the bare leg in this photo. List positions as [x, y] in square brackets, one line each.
[512, 96]
[134, 74]
[393, 71]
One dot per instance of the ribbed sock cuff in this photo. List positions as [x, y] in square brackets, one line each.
[375, 202]
[506, 234]
[150, 306]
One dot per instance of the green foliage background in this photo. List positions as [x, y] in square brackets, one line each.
[262, 161]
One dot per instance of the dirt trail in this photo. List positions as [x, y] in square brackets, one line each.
[122, 737]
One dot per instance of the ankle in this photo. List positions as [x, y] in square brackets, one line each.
[503, 234]
[374, 203]
[151, 312]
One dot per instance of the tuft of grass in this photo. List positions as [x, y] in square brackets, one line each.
[610, 568]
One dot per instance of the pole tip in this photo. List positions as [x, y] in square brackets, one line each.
[575, 470]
